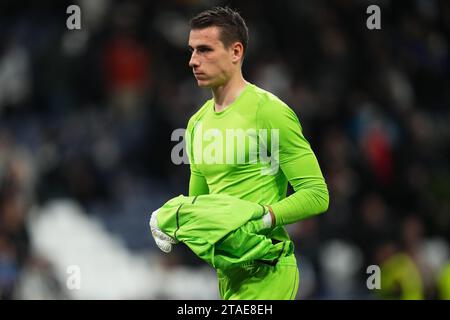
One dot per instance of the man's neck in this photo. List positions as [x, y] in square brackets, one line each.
[227, 93]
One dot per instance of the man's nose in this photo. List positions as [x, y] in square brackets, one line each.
[193, 62]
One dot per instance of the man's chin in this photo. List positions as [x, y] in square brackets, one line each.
[203, 84]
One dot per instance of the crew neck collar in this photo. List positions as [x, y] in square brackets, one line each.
[231, 105]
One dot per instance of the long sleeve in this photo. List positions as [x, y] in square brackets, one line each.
[197, 182]
[299, 165]
[311, 193]
[197, 185]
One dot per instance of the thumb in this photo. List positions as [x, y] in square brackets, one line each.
[258, 211]
[258, 225]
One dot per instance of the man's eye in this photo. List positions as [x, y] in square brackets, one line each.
[204, 49]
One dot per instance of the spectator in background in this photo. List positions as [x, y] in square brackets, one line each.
[126, 64]
[400, 277]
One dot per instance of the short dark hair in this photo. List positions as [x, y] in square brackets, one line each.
[230, 22]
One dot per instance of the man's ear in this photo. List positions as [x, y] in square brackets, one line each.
[237, 51]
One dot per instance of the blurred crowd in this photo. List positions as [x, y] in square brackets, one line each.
[88, 115]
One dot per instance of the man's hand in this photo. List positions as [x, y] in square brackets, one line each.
[261, 225]
[163, 241]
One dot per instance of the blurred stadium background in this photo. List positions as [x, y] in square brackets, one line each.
[86, 118]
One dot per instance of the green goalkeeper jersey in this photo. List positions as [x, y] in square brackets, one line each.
[251, 150]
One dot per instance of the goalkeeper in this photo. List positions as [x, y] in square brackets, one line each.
[218, 41]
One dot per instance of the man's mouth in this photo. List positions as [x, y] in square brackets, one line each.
[200, 76]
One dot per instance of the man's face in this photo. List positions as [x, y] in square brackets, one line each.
[211, 62]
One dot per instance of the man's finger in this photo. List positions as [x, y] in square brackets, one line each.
[162, 236]
[164, 245]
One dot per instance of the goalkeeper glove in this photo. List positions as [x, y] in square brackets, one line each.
[163, 241]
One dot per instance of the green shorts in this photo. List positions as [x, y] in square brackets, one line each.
[260, 281]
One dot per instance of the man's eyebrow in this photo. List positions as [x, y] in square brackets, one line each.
[201, 46]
